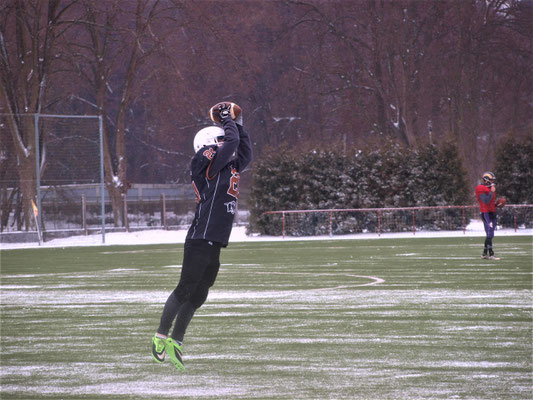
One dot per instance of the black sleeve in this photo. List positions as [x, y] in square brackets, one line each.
[225, 153]
[486, 197]
[244, 152]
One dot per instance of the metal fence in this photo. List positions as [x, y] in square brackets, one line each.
[382, 220]
[76, 209]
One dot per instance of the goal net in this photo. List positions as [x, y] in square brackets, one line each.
[71, 187]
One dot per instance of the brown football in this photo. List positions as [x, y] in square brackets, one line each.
[500, 202]
[235, 111]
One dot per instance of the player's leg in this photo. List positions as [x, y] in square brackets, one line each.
[193, 302]
[194, 264]
[198, 297]
[185, 314]
[196, 259]
[492, 226]
[489, 222]
[191, 273]
[488, 241]
[167, 316]
[170, 310]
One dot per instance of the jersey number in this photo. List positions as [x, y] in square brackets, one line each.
[233, 189]
[209, 153]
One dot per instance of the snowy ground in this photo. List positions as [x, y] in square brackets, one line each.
[475, 228]
[401, 319]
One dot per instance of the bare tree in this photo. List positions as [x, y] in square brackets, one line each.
[424, 71]
[306, 72]
[28, 36]
[115, 45]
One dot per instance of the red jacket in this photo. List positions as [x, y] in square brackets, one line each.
[486, 199]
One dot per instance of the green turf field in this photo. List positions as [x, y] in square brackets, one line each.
[348, 319]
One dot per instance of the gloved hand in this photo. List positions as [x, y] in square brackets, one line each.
[224, 111]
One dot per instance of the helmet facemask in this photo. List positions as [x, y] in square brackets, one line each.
[489, 179]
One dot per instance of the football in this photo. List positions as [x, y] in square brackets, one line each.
[235, 111]
[500, 202]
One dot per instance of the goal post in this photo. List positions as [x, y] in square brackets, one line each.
[74, 155]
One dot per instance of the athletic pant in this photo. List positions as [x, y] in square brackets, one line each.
[201, 262]
[489, 222]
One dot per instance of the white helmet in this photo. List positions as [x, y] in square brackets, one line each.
[207, 137]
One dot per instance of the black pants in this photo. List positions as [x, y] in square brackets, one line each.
[201, 262]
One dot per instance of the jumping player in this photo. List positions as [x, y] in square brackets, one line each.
[486, 196]
[221, 154]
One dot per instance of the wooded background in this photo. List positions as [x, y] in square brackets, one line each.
[306, 73]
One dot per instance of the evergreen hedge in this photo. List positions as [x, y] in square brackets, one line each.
[514, 170]
[514, 179]
[392, 176]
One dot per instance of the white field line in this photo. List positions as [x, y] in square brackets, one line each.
[375, 280]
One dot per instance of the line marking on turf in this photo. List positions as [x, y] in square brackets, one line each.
[375, 280]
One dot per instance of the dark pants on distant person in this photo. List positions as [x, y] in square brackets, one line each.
[201, 262]
[489, 222]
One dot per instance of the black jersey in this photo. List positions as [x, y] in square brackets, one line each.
[215, 174]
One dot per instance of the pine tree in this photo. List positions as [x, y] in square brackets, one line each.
[514, 170]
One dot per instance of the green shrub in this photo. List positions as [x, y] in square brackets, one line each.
[331, 179]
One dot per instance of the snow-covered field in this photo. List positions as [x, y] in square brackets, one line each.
[475, 228]
[330, 319]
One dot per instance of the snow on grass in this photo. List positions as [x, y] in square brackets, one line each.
[238, 234]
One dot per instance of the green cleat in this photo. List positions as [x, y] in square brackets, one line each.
[175, 353]
[158, 348]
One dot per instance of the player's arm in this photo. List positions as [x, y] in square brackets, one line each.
[224, 153]
[486, 198]
[244, 152]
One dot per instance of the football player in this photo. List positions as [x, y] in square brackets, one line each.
[486, 196]
[221, 155]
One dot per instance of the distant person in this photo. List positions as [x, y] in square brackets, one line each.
[221, 154]
[486, 196]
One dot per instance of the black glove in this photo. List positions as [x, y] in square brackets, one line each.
[224, 111]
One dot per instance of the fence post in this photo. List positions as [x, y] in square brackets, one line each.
[163, 211]
[464, 225]
[125, 221]
[102, 184]
[414, 228]
[84, 214]
[283, 224]
[330, 223]
[514, 218]
[39, 217]
[379, 222]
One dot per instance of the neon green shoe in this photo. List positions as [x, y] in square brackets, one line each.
[158, 348]
[175, 353]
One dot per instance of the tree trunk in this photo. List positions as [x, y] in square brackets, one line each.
[27, 187]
